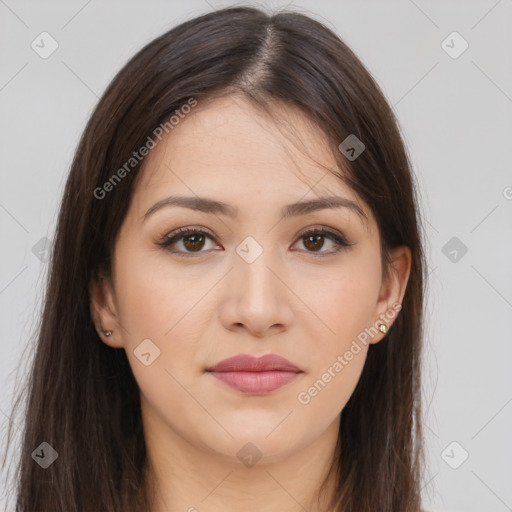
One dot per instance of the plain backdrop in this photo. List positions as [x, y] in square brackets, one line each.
[454, 105]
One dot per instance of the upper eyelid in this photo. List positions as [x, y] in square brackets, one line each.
[186, 230]
[179, 233]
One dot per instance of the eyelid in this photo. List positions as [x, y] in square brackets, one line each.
[179, 233]
[324, 230]
[335, 235]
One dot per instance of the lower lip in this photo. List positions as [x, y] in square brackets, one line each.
[255, 382]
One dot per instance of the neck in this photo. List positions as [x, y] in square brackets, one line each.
[189, 478]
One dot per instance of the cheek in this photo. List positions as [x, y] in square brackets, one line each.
[153, 300]
[343, 299]
[345, 306]
[163, 306]
[337, 355]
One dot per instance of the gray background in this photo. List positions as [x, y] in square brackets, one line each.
[456, 118]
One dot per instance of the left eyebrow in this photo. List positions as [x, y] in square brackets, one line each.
[212, 206]
[322, 203]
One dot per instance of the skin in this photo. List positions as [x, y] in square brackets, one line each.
[201, 309]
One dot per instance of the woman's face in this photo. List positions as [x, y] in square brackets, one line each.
[247, 281]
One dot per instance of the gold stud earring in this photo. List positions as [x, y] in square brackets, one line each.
[383, 328]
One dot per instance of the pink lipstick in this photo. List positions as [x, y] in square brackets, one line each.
[255, 375]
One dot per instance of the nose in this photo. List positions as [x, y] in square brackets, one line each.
[257, 298]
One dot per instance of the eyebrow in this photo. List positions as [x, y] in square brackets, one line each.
[212, 206]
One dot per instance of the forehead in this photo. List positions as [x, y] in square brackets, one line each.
[226, 147]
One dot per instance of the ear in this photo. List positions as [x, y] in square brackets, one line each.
[393, 289]
[103, 310]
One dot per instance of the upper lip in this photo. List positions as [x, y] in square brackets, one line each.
[248, 363]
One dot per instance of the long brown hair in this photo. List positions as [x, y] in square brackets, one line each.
[81, 396]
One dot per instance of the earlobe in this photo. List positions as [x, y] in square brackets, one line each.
[103, 313]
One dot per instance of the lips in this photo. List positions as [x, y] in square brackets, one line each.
[248, 363]
[255, 375]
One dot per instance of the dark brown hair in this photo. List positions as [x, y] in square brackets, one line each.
[82, 398]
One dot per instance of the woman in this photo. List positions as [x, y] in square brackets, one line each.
[233, 318]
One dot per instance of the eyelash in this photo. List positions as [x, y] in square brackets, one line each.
[177, 235]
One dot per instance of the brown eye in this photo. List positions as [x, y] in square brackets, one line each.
[193, 242]
[186, 241]
[314, 241]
